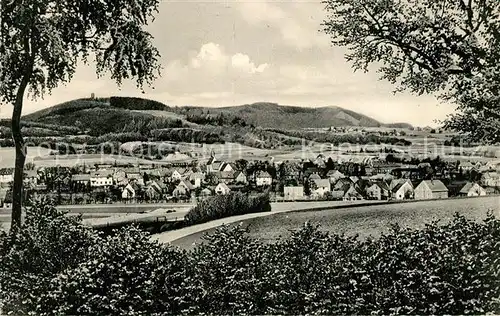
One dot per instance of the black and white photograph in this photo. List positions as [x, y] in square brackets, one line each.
[249, 157]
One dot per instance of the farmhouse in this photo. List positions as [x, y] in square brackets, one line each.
[431, 189]
[101, 179]
[472, 189]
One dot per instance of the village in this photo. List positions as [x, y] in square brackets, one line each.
[320, 179]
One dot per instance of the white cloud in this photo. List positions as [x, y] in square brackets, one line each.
[242, 62]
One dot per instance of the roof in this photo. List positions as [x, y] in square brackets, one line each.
[102, 173]
[467, 187]
[196, 175]
[227, 175]
[80, 177]
[314, 176]
[187, 184]
[263, 174]
[435, 185]
[6, 171]
[335, 173]
[322, 183]
[223, 186]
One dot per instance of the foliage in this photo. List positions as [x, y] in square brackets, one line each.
[186, 135]
[450, 47]
[48, 243]
[124, 274]
[227, 205]
[451, 268]
[138, 104]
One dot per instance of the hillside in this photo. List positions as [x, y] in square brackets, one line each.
[272, 115]
[112, 114]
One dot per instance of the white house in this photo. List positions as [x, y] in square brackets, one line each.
[241, 178]
[176, 175]
[402, 190]
[101, 179]
[196, 179]
[472, 189]
[222, 189]
[263, 179]
[6, 175]
[128, 192]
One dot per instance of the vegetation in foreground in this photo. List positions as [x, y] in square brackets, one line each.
[58, 266]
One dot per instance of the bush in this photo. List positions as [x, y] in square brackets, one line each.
[227, 205]
[124, 274]
[57, 266]
[49, 242]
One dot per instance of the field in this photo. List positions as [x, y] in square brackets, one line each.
[7, 155]
[365, 221]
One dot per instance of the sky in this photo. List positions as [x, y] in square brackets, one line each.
[223, 53]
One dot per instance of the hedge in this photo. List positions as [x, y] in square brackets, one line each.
[57, 266]
[227, 205]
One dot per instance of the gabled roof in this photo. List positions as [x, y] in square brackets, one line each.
[187, 184]
[314, 176]
[335, 173]
[80, 177]
[196, 175]
[102, 174]
[223, 186]
[468, 186]
[436, 185]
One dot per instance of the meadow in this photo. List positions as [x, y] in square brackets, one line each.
[364, 221]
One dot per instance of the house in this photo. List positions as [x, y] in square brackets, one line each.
[353, 194]
[184, 188]
[227, 167]
[130, 191]
[120, 177]
[152, 191]
[292, 193]
[3, 195]
[342, 184]
[334, 176]
[403, 190]
[31, 177]
[6, 175]
[7, 201]
[213, 165]
[378, 191]
[354, 179]
[222, 189]
[206, 192]
[82, 179]
[176, 175]
[263, 179]
[320, 187]
[136, 177]
[226, 176]
[490, 179]
[466, 166]
[240, 178]
[101, 178]
[196, 179]
[472, 189]
[313, 177]
[431, 189]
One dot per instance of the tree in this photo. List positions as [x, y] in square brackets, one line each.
[42, 42]
[450, 48]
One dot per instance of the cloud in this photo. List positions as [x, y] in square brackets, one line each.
[242, 62]
[298, 23]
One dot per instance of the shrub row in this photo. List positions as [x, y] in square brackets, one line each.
[227, 205]
[57, 266]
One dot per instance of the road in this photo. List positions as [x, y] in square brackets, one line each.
[170, 236]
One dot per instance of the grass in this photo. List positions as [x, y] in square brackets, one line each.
[365, 221]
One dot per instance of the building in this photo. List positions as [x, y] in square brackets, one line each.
[82, 179]
[240, 178]
[472, 189]
[292, 193]
[196, 179]
[263, 179]
[176, 175]
[129, 192]
[6, 175]
[222, 189]
[491, 179]
[431, 189]
[320, 187]
[101, 179]
[403, 190]
[334, 176]
[378, 191]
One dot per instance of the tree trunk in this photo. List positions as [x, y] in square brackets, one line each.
[17, 190]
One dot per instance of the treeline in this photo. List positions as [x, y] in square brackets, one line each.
[138, 104]
[337, 139]
[221, 119]
[440, 269]
[227, 205]
[186, 135]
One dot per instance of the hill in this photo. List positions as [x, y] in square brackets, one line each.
[272, 115]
